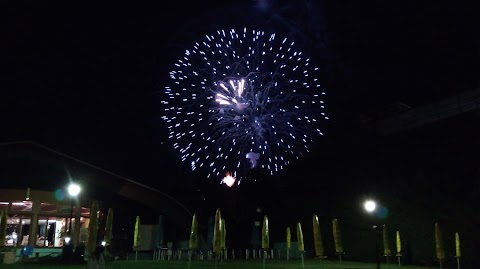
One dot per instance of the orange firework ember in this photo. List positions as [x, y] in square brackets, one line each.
[229, 180]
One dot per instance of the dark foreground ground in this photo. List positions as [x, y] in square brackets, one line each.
[237, 264]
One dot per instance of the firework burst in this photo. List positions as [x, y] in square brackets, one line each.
[244, 99]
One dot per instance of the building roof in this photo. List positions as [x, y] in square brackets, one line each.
[27, 164]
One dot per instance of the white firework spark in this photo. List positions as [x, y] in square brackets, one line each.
[239, 100]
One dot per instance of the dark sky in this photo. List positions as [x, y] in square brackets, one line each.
[87, 79]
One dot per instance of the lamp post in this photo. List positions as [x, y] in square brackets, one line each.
[73, 189]
[370, 207]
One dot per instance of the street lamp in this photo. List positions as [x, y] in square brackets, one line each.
[370, 206]
[73, 189]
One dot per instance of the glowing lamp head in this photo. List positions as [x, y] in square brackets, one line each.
[229, 180]
[74, 189]
[370, 206]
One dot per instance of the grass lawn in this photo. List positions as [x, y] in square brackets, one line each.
[229, 264]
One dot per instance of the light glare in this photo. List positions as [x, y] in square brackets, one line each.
[370, 206]
[74, 189]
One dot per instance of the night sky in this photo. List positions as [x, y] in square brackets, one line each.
[87, 79]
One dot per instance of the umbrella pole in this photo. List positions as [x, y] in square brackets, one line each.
[264, 254]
